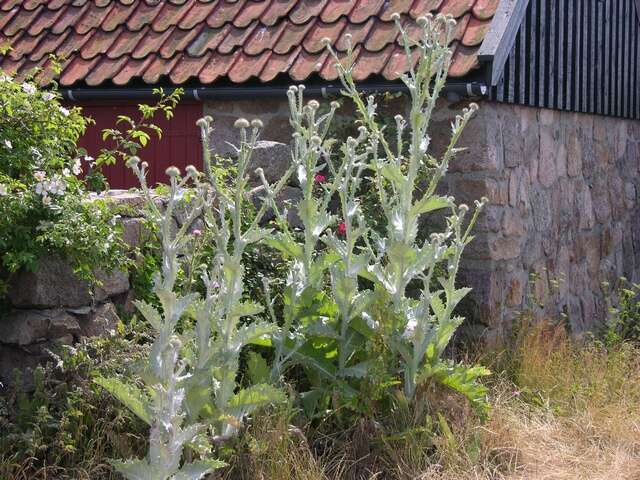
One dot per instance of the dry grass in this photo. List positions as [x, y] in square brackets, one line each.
[561, 410]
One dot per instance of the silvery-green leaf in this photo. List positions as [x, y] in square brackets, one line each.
[285, 245]
[197, 470]
[256, 396]
[247, 309]
[251, 333]
[150, 314]
[132, 397]
[357, 371]
[256, 235]
[430, 203]
[393, 173]
[257, 368]
[135, 469]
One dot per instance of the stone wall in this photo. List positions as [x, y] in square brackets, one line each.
[51, 306]
[563, 214]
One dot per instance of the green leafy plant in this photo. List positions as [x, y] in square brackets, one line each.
[43, 207]
[382, 287]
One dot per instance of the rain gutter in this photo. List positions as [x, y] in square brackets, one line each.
[460, 90]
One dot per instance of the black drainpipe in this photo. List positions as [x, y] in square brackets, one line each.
[452, 90]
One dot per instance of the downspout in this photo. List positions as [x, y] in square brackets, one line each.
[458, 90]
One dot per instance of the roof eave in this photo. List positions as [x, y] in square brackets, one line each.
[497, 44]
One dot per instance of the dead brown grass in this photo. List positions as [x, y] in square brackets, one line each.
[561, 411]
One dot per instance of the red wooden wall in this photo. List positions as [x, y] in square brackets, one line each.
[180, 143]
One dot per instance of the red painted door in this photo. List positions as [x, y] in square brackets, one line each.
[180, 143]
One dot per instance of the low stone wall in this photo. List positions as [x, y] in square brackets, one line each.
[52, 306]
[563, 216]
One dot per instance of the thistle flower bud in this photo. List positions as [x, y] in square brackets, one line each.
[316, 140]
[172, 172]
[257, 123]
[144, 164]
[325, 42]
[241, 123]
[348, 37]
[202, 123]
[293, 89]
[395, 16]
[335, 105]
[208, 118]
[473, 106]
[175, 343]
[301, 87]
[464, 208]
[314, 104]
[133, 161]
[362, 130]
[398, 118]
[352, 142]
[421, 21]
[191, 170]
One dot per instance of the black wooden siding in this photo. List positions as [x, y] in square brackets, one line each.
[577, 55]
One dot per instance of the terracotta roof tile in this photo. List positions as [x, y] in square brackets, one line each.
[485, 9]
[121, 41]
[277, 9]
[313, 40]
[475, 32]
[264, 38]
[278, 64]
[464, 59]
[306, 9]
[456, 8]
[217, 66]
[334, 9]
[197, 15]
[365, 10]
[225, 12]
[292, 36]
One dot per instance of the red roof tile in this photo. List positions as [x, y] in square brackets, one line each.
[120, 41]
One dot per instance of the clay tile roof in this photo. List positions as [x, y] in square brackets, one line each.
[148, 41]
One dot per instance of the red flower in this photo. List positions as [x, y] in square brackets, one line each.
[319, 178]
[342, 228]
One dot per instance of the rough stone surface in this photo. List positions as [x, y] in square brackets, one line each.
[101, 320]
[570, 220]
[110, 284]
[273, 157]
[36, 289]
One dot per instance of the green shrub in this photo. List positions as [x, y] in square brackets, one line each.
[43, 207]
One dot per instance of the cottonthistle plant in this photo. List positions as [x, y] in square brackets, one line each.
[406, 177]
[327, 328]
[162, 405]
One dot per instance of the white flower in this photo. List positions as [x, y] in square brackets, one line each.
[77, 167]
[64, 111]
[28, 88]
[35, 152]
[41, 188]
[39, 175]
[66, 172]
[3, 190]
[88, 158]
[46, 200]
[5, 78]
[8, 144]
[48, 96]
